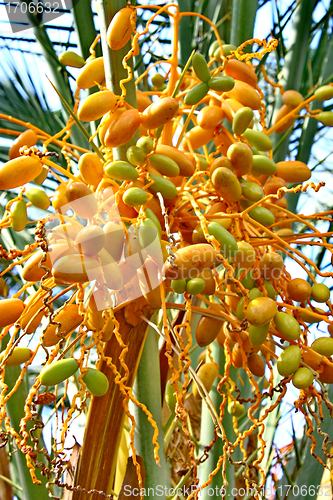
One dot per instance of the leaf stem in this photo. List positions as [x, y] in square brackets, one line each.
[147, 390]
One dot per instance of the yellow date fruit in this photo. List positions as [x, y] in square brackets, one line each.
[241, 71]
[245, 94]
[96, 105]
[76, 268]
[19, 171]
[90, 240]
[92, 73]
[91, 168]
[210, 117]
[260, 311]
[69, 318]
[18, 356]
[246, 255]
[271, 266]
[292, 98]
[10, 311]
[241, 158]
[32, 270]
[72, 59]
[190, 261]
[207, 330]
[120, 29]
[27, 138]
[82, 200]
[123, 128]
[226, 184]
[207, 374]
[159, 112]
[293, 171]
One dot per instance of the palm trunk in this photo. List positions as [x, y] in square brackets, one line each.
[97, 463]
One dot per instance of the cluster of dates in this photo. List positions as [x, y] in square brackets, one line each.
[225, 213]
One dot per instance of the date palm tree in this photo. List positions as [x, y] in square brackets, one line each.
[292, 463]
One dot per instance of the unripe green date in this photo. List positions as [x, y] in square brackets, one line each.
[178, 286]
[323, 345]
[258, 334]
[262, 215]
[262, 165]
[287, 325]
[242, 119]
[221, 83]
[195, 286]
[236, 409]
[96, 382]
[258, 139]
[150, 214]
[228, 244]
[121, 170]
[196, 94]
[200, 67]
[252, 191]
[164, 165]
[320, 293]
[170, 396]
[324, 93]
[303, 378]
[289, 360]
[145, 143]
[164, 186]
[38, 198]
[19, 215]
[134, 197]
[136, 155]
[326, 118]
[58, 371]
